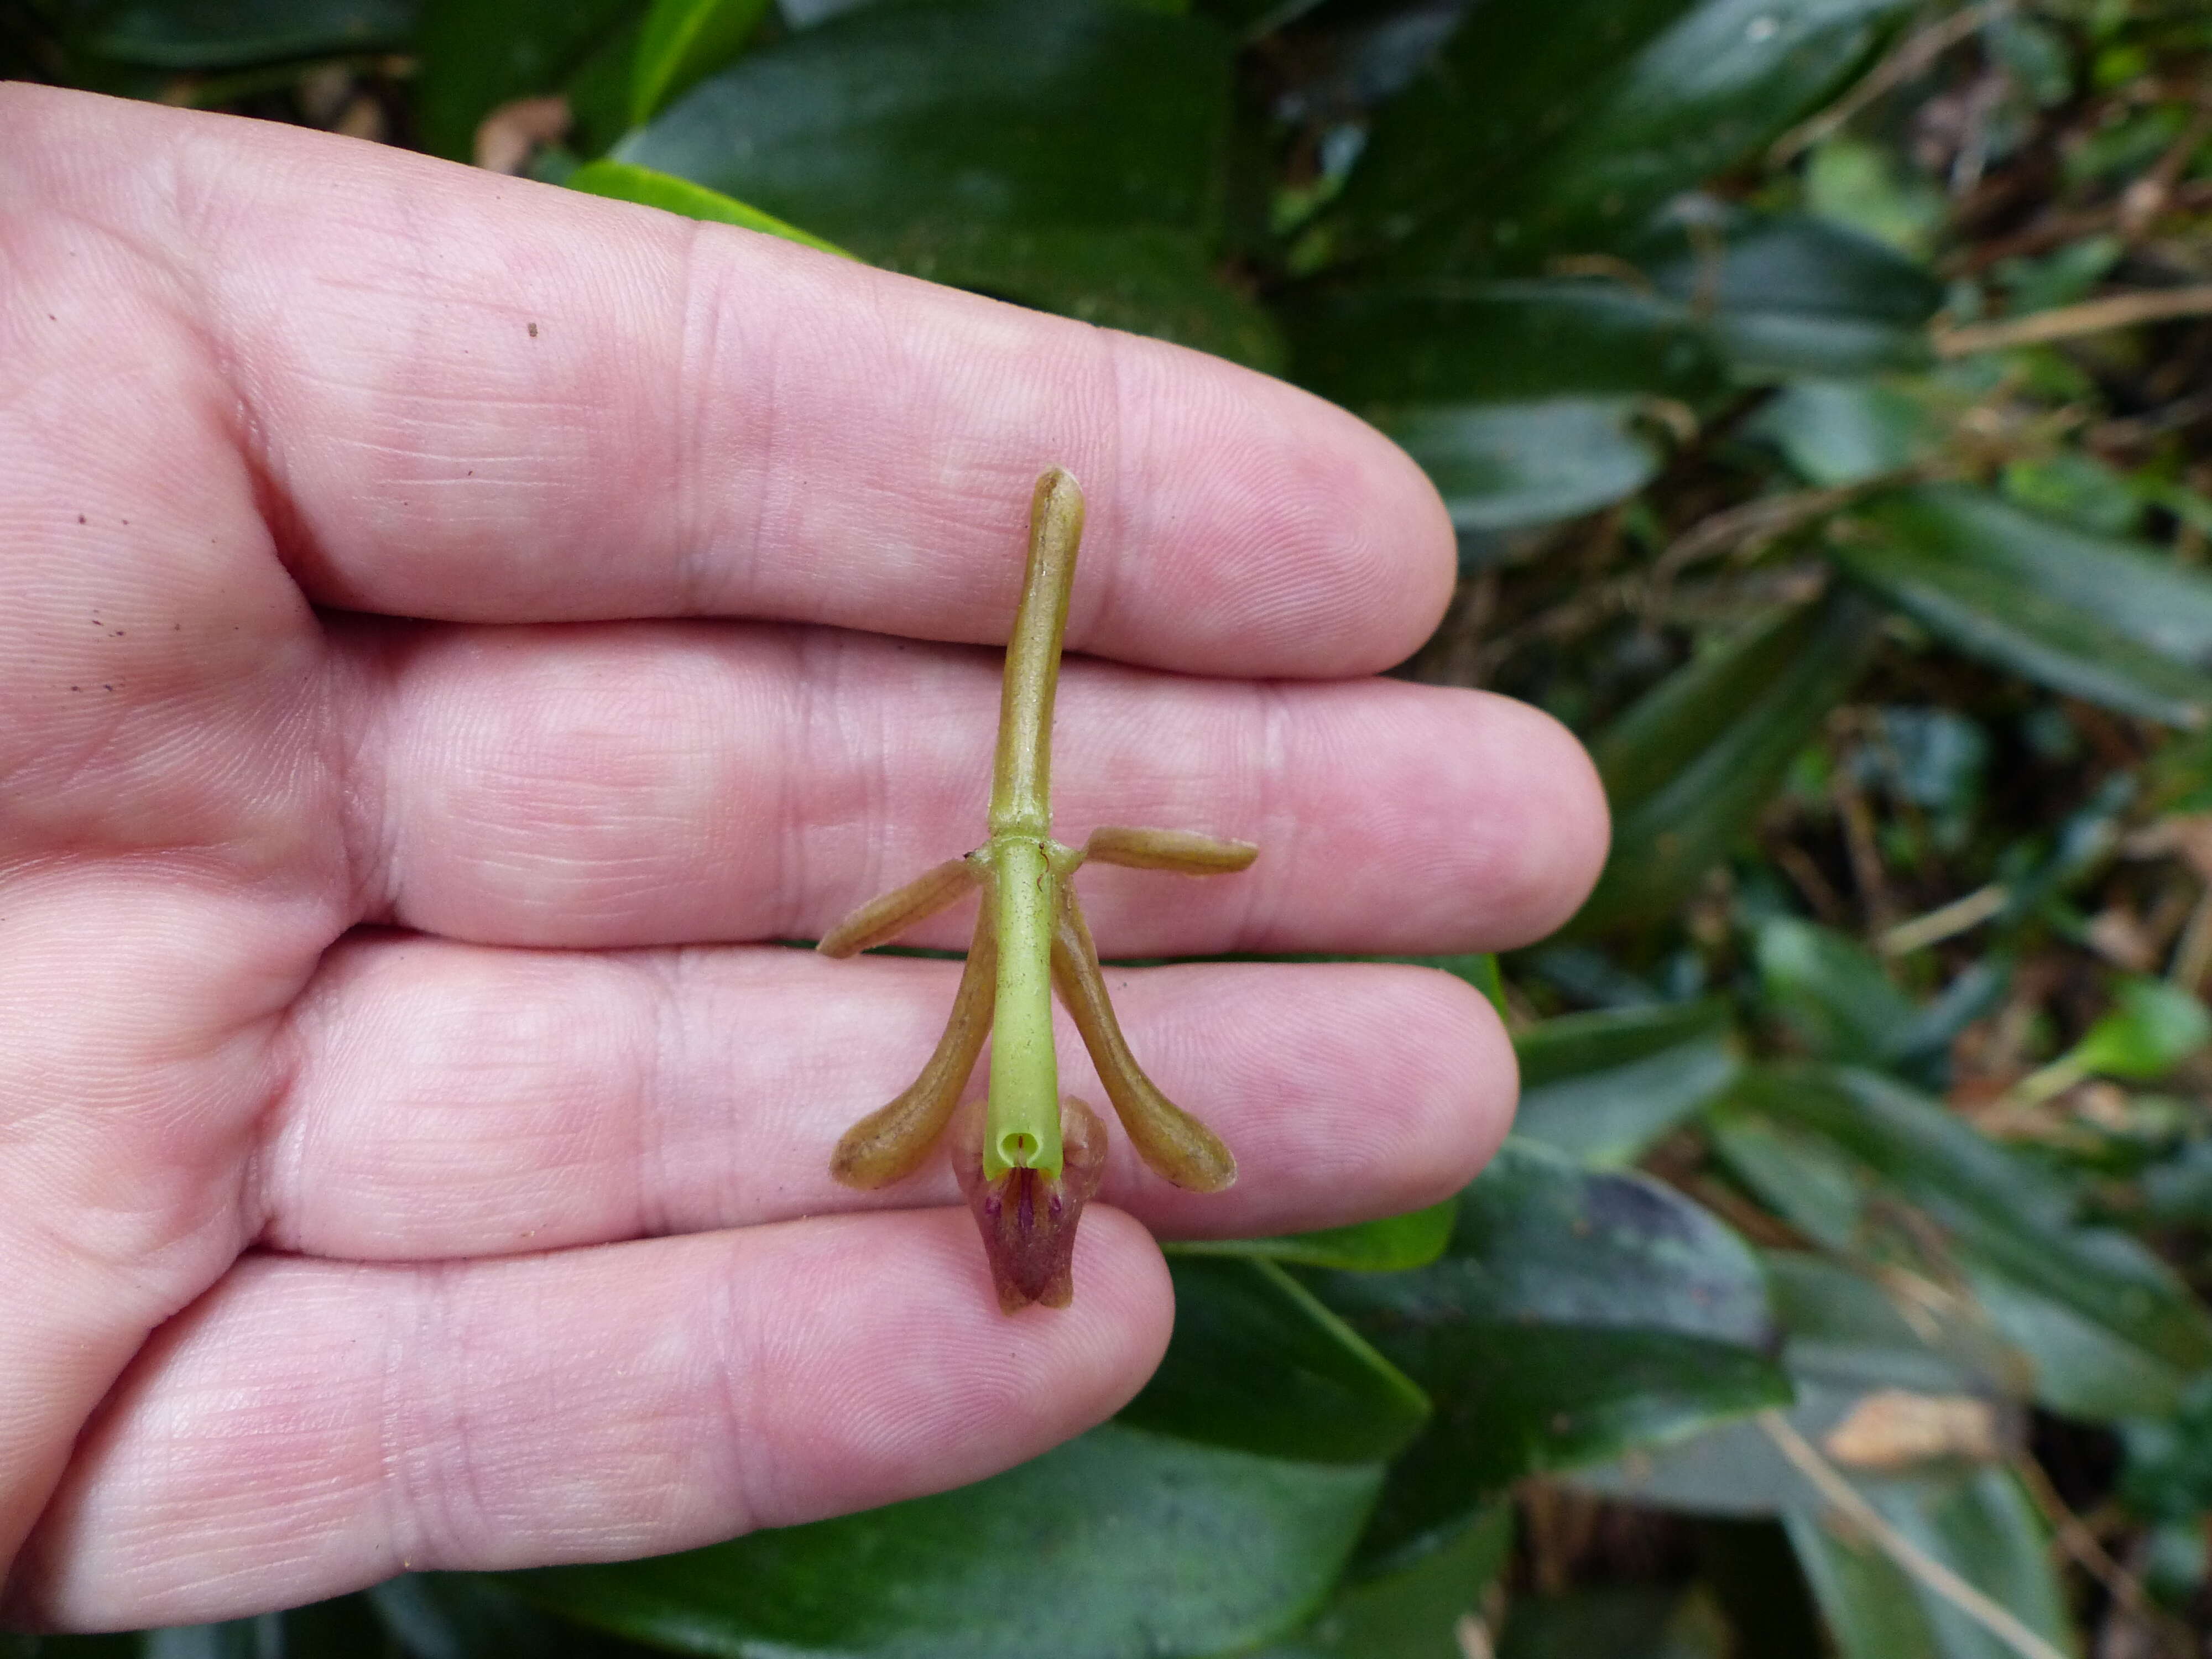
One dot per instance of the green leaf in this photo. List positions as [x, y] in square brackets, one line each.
[219, 34]
[1601, 1088]
[1500, 466]
[1984, 1528]
[1617, 1621]
[479, 54]
[627, 183]
[1845, 1342]
[1119, 1545]
[1843, 432]
[1689, 765]
[1850, 1158]
[1258, 1364]
[1792, 296]
[1832, 993]
[1066, 154]
[1520, 398]
[2096, 618]
[468, 1615]
[1388, 1245]
[1575, 1314]
[2154, 1028]
[684, 41]
[343, 1628]
[1411, 1611]
[1564, 124]
[1500, 342]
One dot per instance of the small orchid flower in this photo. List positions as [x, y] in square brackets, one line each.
[1027, 1160]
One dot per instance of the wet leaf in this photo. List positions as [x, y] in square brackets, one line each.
[1147, 1543]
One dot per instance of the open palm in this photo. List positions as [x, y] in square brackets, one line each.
[441, 613]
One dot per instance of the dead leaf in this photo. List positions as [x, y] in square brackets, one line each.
[1893, 1428]
[512, 133]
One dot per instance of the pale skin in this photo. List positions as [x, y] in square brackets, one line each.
[441, 615]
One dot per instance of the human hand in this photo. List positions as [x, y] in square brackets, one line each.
[441, 611]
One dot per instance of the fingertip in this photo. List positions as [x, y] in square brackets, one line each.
[1542, 848]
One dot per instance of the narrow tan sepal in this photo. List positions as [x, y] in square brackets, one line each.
[1027, 1217]
[891, 1142]
[884, 917]
[1183, 851]
[1173, 1144]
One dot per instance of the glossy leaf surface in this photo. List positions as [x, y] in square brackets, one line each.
[1390, 1244]
[1119, 1545]
[627, 183]
[1067, 153]
[479, 54]
[1258, 1364]
[1690, 763]
[1850, 1158]
[1601, 1088]
[2085, 615]
[682, 42]
[1790, 295]
[1984, 1528]
[1563, 126]
[219, 34]
[1575, 1314]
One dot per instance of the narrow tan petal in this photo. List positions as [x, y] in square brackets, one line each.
[1183, 851]
[893, 1142]
[1172, 1143]
[883, 918]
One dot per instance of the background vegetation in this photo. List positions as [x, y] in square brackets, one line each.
[1823, 391]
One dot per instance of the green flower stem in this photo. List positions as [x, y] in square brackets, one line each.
[1021, 773]
[1020, 1127]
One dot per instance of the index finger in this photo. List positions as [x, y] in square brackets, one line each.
[474, 398]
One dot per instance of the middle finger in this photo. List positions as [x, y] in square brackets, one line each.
[458, 1100]
[656, 783]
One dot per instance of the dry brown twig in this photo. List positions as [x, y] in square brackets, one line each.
[1915, 1562]
[1913, 56]
[2075, 322]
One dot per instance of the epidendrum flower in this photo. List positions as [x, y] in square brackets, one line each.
[1027, 1160]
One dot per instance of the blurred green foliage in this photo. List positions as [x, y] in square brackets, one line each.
[1893, 639]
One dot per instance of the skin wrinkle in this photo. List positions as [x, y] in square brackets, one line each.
[1266, 1061]
[864, 428]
